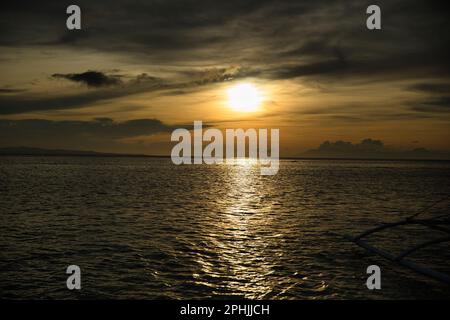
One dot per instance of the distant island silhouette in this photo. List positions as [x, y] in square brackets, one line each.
[30, 151]
[309, 155]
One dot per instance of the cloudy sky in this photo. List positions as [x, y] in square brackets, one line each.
[139, 69]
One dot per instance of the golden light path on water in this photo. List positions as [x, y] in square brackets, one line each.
[241, 235]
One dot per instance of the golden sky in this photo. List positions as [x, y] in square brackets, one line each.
[139, 69]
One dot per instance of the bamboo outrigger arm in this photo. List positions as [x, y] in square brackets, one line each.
[400, 259]
[429, 223]
[422, 245]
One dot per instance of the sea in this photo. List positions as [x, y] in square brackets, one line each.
[144, 228]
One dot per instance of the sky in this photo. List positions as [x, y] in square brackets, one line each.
[137, 70]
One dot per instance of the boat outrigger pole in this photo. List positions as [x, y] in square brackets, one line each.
[432, 223]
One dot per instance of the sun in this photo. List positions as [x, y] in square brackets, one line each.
[244, 97]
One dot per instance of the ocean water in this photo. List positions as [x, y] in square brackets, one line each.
[143, 228]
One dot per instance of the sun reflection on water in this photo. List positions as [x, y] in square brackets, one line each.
[240, 237]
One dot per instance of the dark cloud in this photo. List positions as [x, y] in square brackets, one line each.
[100, 134]
[437, 99]
[91, 78]
[439, 105]
[10, 90]
[16, 104]
[443, 88]
[370, 149]
[259, 33]
[23, 103]
[324, 67]
[98, 128]
[441, 102]
[97, 134]
[216, 75]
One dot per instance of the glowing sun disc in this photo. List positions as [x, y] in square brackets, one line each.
[244, 97]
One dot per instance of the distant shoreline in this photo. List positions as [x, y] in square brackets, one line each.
[39, 152]
[168, 157]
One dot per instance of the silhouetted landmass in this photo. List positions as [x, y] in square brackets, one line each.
[371, 149]
[28, 151]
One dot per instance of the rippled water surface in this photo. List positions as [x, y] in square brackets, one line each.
[145, 228]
